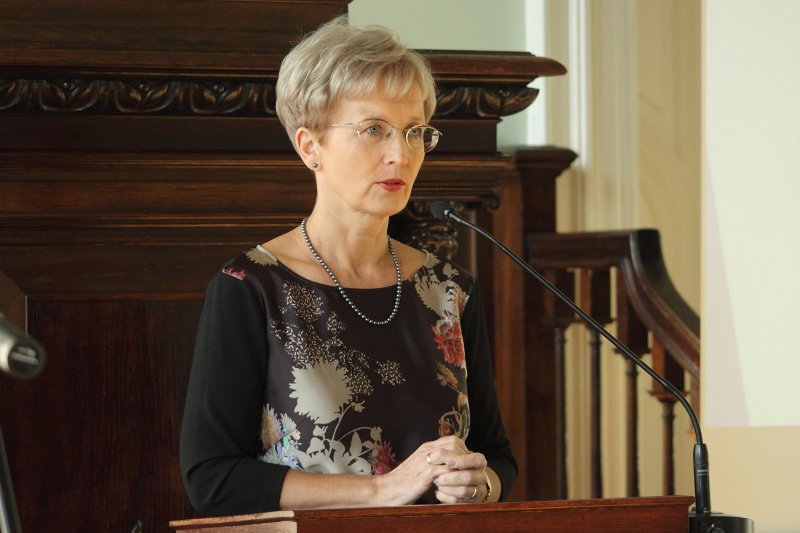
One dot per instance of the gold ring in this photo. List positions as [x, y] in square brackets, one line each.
[474, 492]
[428, 458]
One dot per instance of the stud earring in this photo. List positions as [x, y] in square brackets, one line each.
[315, 165]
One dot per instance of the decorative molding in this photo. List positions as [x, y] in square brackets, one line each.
[483, 101]
[11, 92]
[137, 96]
[134, 96]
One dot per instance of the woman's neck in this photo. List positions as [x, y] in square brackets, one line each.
[355, 248]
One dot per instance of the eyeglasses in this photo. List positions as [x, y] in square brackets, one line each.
[376, 131]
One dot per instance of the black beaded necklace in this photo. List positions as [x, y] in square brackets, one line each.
[341, 289]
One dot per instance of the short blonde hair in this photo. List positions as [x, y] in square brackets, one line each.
[338, 61]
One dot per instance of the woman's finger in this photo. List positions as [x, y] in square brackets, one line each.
[461, 493]
[445, 448]
[469, 461]
[460, 478]
[451, 442]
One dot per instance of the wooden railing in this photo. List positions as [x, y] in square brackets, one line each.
[650, 316]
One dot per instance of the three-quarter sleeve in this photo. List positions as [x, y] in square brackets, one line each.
[221, 423]
[487, 434]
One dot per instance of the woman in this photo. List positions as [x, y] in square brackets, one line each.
[333, 351]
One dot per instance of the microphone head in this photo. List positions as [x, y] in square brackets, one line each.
[21, 356]
[439, 209]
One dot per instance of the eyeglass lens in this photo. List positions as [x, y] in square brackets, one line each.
[377, 131]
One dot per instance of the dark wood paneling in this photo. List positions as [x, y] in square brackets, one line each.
[71, 133]
[106, 414]
[138, 151]
[230, 135]
[539, 168]
[190, 198]
[93, 440]
[196, 28]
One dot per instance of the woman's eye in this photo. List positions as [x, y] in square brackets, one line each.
[415, 133]
[374, 129]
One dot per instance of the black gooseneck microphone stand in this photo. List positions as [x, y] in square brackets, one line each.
[701, 519]
[22, 357]
[9, 519]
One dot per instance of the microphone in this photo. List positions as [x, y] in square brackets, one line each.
[21, 355]
[701, 519]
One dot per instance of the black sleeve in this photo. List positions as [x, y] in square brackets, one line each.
[486, 434]
[222, 417]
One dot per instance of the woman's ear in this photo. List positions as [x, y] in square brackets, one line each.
[306, 143]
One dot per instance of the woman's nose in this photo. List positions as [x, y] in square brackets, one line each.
[397, 149]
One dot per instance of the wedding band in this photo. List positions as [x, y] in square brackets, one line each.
[474, 492]
[428, 458]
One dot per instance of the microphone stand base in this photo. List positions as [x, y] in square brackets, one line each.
[719, 523]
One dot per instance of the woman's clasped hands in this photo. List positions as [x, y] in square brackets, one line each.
[458, 475]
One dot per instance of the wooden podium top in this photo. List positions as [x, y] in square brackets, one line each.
[667, 514]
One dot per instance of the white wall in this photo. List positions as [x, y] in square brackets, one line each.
[752, 221]
[751, 258]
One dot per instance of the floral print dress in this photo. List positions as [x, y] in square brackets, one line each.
[286, 375]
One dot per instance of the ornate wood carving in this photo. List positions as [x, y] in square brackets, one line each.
[138, 96]
[483, 102]
[11, 92]
[219, 97]
[416, 226]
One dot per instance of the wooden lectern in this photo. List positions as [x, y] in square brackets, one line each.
[667, 514]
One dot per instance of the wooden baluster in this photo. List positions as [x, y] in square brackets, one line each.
[633, 333]
[595, 296]
[558, 316]
[665, 364]
[639, 268]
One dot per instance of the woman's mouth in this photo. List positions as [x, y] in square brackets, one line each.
[392, 185]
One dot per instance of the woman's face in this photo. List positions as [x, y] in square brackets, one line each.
[365, 178]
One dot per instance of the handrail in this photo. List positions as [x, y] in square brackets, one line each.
[637, 253]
